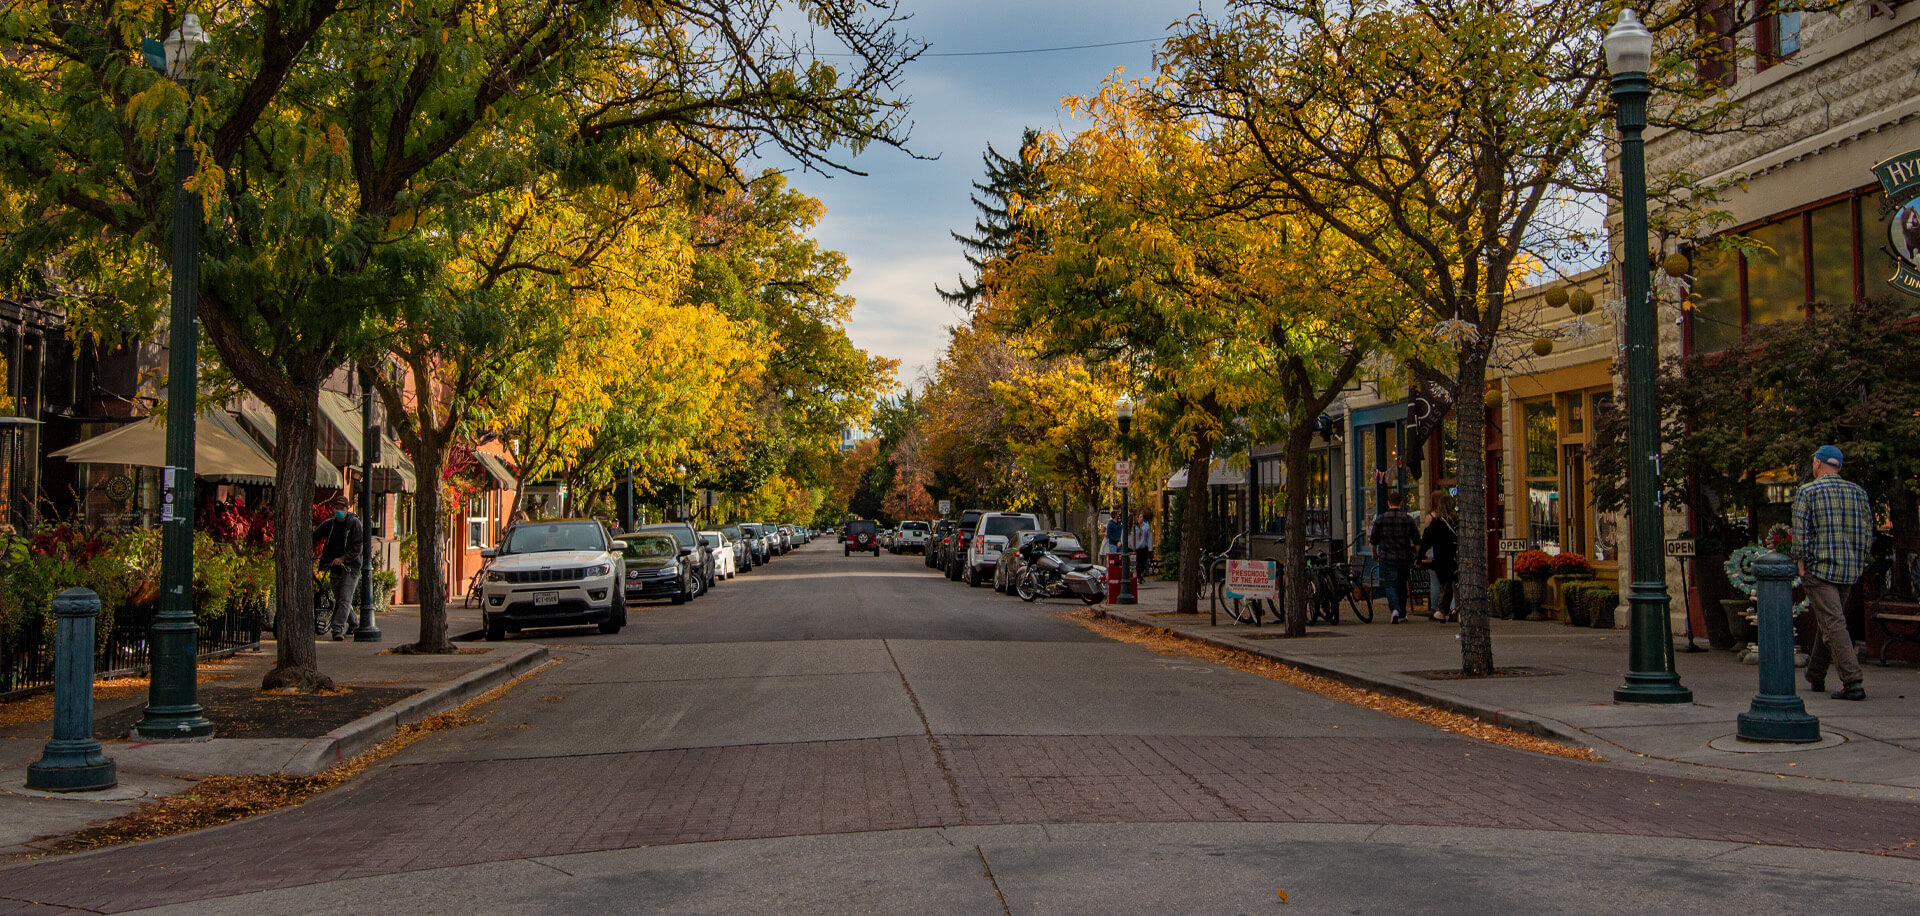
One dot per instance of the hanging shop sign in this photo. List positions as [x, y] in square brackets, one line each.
[1900, 179]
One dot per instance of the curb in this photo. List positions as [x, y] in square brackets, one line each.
[356, 737]
[1492, 715]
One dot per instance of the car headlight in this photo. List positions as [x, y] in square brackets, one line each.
[495, 576]
[601, 570]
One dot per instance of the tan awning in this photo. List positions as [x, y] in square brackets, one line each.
[1220, 474]
[216, 453]
[496, 468]
[392, 470]
[261, 422]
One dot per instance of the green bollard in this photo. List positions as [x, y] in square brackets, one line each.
[73, 761]
[1777, 714]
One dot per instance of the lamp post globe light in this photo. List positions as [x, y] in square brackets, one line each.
[1650, 674]
[173, 707]
[1123, 413]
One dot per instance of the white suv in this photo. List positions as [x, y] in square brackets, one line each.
[990, 536]
[560, 573]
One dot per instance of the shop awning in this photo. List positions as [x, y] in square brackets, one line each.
[217, 454]
[496, 468]
[261, 422]
[1219, 475]
[392, 471]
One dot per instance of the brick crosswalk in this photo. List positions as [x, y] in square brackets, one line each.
[411, 817]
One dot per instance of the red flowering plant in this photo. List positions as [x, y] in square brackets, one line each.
[1533, 565]
[1571, 564]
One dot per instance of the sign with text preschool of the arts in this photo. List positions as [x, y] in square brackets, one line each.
[1251, 579]
[1900, 178]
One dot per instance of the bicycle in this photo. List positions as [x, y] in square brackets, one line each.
[1241, 610]
[1328, 584]
[323, 602]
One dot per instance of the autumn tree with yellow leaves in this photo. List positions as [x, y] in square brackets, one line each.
[340, 146]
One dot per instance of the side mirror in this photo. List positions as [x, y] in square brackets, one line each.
[686, 551]
[706, 542]
[489, 553]
[618, 545]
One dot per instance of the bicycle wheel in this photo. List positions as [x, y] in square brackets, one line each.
[1362, 610]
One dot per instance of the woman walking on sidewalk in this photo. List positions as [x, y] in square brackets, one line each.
[1440, 553]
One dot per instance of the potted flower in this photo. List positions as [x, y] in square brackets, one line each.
[1533, 568]
[1600, 602]
[1570, 566]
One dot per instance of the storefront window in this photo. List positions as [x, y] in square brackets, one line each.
[1540, 421]
[1270, 495]
[1832, 243]
[1716, 300]
[1776, 278]
[1876, 264]
[1319, 495]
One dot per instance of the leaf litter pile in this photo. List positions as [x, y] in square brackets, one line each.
[219, 799]
[39, 707]
[1166, 642]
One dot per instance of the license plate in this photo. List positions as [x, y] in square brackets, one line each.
[540, 598]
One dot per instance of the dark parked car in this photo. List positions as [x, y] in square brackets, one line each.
[756, 538]
[702, 551]
[743, 555]
[954, 558]
[862, 534]
[658, 567]
[937, 544]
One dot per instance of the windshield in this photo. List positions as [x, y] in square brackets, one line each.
[680, 533]
[913, 526]
[714, 536]
[550, 536]
[732, 532]
[651, 547]
[1008, 524]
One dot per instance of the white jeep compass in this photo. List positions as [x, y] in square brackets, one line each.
[560, 573]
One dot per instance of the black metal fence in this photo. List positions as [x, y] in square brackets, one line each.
[26, 654]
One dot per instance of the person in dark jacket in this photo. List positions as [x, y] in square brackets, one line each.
[1393, 537]
[343, 542]
[1440, 554]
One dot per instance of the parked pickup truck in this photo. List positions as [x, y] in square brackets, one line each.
[912, 538]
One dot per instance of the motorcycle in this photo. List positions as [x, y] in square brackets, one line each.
[1046, 574]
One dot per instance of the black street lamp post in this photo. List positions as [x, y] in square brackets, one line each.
[173, 708]
[1123, 412]
[369, 630]
[1650, 676]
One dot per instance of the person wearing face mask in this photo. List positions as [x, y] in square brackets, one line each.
[343, 541]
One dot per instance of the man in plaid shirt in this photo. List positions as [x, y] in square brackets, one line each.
[1394, 537]
[1832, 529]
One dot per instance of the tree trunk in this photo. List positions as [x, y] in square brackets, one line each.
[429, 521]
[1476, 635]
[297, 664]
[1299, 443]
[1193, 536]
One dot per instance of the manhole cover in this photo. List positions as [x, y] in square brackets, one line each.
[1453, 674]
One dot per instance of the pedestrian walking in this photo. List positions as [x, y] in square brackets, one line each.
[1115, 531]
[1440, 554]
[343, 541]
[1394, 536]
[1142, 543]
[1832, 531]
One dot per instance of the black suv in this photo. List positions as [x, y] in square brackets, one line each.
[862, 534]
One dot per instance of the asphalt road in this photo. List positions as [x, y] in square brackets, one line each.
[855, 734]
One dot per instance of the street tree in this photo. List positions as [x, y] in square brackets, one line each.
[321, 130]
[1452, 142]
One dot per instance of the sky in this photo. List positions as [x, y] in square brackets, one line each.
[893, 224]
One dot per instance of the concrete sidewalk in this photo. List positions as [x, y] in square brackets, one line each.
[1869, 748]
[382, 692]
